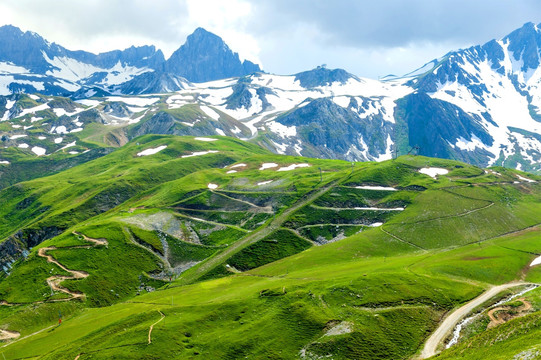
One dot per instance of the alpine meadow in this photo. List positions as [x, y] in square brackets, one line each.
[194, 206]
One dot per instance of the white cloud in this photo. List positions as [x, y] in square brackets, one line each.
[367, 38]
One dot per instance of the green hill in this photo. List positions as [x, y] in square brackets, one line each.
[181, 247]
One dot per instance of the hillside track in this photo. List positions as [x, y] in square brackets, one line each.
[152, 327]
[54, 281]
[453, 318]
[255, 236]
[401, 240]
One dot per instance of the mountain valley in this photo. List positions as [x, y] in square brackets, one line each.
[197, 207]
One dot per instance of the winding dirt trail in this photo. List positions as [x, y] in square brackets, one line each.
[55, 280]
[431, 345]
[152, 327]
[498, 320]
[27, 336]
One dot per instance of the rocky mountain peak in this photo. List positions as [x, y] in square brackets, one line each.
[205, 57]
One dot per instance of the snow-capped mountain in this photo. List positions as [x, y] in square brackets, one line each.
[205, 57]
[481, 105]
[485, 103]
[30, 64]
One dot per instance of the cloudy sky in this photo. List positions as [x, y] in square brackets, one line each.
[366, 37]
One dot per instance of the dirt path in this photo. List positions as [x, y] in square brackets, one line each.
[452, 319]
[207, 221]
[27, 336]
[54, 281]
[356, 208]
[8, 335]
[501, 318]
[402, 240]
[254, 236]
[266, 209]
[451, 216]
[152, 327]
[100, 241]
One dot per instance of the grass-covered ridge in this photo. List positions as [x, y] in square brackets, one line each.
[229, 258]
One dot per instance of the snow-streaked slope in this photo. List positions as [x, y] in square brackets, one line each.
[502, 94]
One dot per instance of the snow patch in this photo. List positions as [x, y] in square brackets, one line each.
[199, 153]
[231, 172]
[135, 101]
[4, 162]
[282, 130]
[58, 140]
[210, 113]
[151, 151]
[10, 68]
[212, 186]
[59, 130]
[380, 188]
[268, 166]
[71, 144]
[379, 209]
[342, 101]
[88, 102]
[33, 110]
[9, 104]
[13, 137]
[525, 179]
[238, 165]
[433, 171]
[39, 151]
[24, 146]
[264, 182]
[293, 167]
[536, 261]
[205, 139]
[464, 144]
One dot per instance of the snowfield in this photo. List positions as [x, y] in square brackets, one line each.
[433, 171]
[39, 151]
[375, 188]
[200, 153]
[151, 151]
[293, 167]
[237, 166]
[525, 179]
[265, 166]
[134, 101]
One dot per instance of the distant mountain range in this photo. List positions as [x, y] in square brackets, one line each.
[481, 105]
[29, 63]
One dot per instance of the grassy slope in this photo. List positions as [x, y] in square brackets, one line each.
[391, 292]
